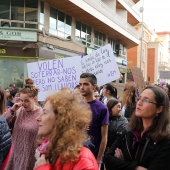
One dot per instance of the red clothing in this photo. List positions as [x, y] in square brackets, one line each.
[86, 161]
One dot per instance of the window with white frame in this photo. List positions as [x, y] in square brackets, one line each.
[60, 24]
[112, 42]
[99, 39]
[83, 33]
[41, 16]
[20, 13]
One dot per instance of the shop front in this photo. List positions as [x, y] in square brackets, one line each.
[13, 64]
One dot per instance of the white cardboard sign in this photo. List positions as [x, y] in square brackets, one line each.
[52, 75]
[101, 63]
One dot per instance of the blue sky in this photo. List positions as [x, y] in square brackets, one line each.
[157, 14]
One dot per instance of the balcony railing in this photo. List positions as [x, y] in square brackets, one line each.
[113, 16]
[164, 64]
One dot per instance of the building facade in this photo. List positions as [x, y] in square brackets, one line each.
[32, 31]
[152, 55]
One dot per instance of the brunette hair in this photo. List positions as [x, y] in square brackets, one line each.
[29, 88]
[160, 125]
[129, 94]
[112, 89]
[92, 78]
[72, 118]
[111, 103]
[3, 101]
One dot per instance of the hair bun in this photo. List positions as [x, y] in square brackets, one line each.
[29, 81]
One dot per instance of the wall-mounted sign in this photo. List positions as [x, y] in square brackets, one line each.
[17, 35]
[124, 62]
[18, 51]
[164, 74]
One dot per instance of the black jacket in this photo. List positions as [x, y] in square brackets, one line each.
[117, 125]
[156, 156]
[5, 139]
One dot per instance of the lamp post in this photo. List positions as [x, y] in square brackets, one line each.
[141, 38]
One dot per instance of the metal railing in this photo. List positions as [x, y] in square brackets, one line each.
[113, 16]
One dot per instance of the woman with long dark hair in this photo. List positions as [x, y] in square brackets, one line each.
[146, 146]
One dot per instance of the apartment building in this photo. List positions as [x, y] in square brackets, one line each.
[46, 29]
[152, 55]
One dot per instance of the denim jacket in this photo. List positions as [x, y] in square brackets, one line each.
[5, 139]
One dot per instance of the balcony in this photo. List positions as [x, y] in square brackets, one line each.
[132, 5]
[133, 16]
[97, 14]
[164, 65]
[113, 16]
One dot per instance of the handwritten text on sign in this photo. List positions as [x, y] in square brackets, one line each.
[101, 63]
[55, 74]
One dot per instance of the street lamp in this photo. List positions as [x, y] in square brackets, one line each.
[141, 38]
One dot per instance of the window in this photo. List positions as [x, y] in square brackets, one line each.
[60, 23]
[13, 71]
[99, 39]
[20, 13]
[31, 11]
[5, 9]
[41, 16]
[83, 33]
[113, 44]
[143, 55]
[17, 10]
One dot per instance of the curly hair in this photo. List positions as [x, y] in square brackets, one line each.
[129, 94]
[73, 116]
[29, 88]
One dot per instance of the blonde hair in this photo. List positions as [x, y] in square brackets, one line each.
[73, 116]
[129, 94]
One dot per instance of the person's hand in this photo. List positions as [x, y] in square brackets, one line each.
[41, 161]
[118, 153]
[16, 106]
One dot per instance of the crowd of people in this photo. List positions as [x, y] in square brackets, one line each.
[87, 128]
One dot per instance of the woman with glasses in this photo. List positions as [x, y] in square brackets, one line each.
[146, 146]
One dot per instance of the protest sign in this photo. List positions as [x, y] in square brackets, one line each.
[120, 87]
[101, 63]
[52, 75]
[138, 77]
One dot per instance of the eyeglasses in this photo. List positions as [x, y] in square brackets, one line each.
[145, 100]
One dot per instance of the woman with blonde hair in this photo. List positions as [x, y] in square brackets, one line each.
[21, 118]
[63, 123]
[129, 99]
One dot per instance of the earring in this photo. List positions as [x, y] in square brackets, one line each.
[156, 115]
